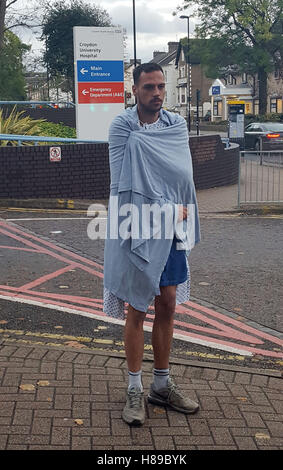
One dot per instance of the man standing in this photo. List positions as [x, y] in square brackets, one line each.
[150, 164]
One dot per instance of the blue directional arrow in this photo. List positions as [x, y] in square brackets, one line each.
[100, 71]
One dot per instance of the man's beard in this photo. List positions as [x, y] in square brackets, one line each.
[151, 109]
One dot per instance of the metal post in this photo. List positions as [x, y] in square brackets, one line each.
[134, 32]
[198, 100]
[189, 73]
[189, 78]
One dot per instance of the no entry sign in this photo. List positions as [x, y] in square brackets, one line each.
[99, 79]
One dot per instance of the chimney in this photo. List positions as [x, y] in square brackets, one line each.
[172, 46]
[156, 53]
[132, 61]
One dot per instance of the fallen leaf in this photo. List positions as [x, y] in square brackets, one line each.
[58, 327]
[242, 398]
[79, 421]
[238, 309]
[49, 399]
[3, 322]
[261, 435]
[158, 411]
[27, 387]
[74, 344]
[63, 287]
[43, 383]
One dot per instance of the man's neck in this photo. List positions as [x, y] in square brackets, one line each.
[147, 118]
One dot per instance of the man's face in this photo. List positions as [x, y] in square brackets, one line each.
[150, 91]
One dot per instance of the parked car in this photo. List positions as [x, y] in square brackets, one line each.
[271, 134]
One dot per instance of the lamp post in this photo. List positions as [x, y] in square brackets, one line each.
[189, 94]
[134, 32]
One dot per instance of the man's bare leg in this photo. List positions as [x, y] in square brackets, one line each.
[163, 390]
[162, 332]
[134, 338]
[134, 412]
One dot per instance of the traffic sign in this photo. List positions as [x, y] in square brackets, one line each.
[99, 79]
[55, 154]
[100, 71]
[101, 92]
[216, 90]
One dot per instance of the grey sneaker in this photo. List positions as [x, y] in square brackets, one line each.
[133, 412]
[171, 396]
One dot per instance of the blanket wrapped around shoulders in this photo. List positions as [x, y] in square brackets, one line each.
[151, 175]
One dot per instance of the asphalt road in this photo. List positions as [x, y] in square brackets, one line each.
[237, 267]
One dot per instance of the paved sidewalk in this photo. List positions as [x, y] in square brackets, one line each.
[65, 398]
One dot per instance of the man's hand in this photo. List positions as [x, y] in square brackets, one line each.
[182, 213]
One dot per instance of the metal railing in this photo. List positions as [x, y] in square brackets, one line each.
[69, 104]
[36, 139]
[260, 177]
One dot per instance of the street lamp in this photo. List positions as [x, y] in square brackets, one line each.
[134, 32]
[189, 94]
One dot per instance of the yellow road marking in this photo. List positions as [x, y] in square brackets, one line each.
[110, 342]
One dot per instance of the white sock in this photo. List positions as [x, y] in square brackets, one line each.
[135, 380]
[160, 378]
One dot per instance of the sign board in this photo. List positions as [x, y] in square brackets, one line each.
[216, 90]
[55, 154]
[236, 119]
[99, 79]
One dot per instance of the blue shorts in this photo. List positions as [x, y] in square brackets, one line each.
[175, 271]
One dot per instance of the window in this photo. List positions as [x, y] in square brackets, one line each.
[273, 105]
[244, 77]
[277, 74]
[182, 71]
[216, 111]
[183, 98]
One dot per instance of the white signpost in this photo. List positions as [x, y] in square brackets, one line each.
[99, 79]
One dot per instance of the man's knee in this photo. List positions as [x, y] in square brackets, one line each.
[135, 317]
[166, 302]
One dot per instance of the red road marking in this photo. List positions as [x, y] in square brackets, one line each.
[18, 248]
[219, 332]
[66, 297]
[46, 278]
[55, 303]
[226, 319]
[218, 320]
[51, 245]
[50, 253]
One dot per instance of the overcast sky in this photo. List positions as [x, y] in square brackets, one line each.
[155, 24]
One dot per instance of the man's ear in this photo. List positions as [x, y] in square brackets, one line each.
[134, 88]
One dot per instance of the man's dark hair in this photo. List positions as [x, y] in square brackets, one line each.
[146, 68]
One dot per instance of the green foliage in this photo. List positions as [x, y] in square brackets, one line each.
[50, 129]
[12, 82]
[58, 23]
[269, 117]
[245, 33]
[18, 124]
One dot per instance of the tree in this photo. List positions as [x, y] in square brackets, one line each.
[57, 33]
[12, 82]
[242, 33]
[11, 18]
